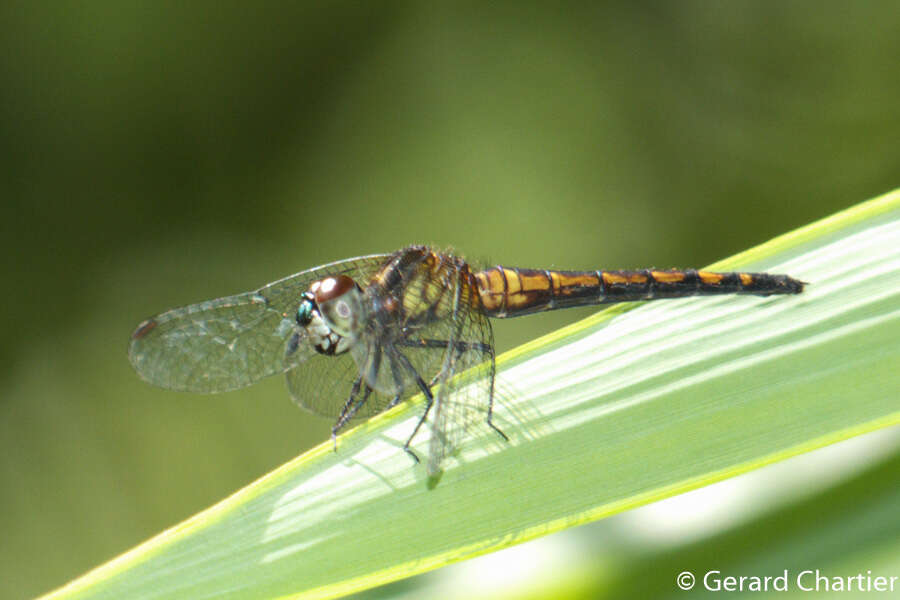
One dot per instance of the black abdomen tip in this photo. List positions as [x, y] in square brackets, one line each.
[795, 285]
[788, 285]
[764, 284]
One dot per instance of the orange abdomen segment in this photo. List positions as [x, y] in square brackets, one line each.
[510, 292]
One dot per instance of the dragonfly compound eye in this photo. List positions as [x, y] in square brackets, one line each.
[331, 288]
[340, 302]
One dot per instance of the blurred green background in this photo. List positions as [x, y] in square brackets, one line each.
[161, 153]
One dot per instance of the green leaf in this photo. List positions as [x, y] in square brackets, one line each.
[847, 528]
[637, 403]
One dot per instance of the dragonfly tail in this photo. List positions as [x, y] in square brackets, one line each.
[511, 292]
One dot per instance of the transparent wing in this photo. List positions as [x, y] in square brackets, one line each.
[396, 354]
[444, 340]
[324, 387]
[231, 342]
[466, 382]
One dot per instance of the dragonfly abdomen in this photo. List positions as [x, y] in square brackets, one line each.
[511, 292]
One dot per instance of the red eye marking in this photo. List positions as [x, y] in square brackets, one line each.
[331, 288]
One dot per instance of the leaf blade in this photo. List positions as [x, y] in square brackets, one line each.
[634, 404]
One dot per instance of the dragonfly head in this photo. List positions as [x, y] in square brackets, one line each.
[331, 312]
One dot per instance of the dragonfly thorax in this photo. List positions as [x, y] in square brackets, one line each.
[331, 312]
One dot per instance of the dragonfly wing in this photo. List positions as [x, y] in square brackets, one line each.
[324, 387]
[442, 341]
[284, 295]
[466, 384]
[231, 342]
[411, 343]
[214, 346]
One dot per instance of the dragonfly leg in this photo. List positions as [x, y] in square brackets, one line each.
[460, 348]
[429, 401]
[490, 411]
[350, 408]
[490, 421]
[353, 392]
[426, 391]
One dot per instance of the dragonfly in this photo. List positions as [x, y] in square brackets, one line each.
[356, 337]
